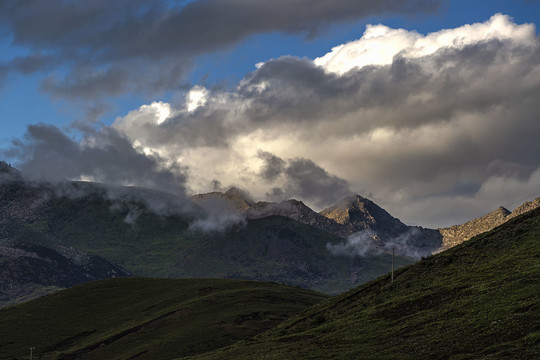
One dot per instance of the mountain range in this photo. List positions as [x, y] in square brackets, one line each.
[218, 235]
[476, 300]
[355, 213]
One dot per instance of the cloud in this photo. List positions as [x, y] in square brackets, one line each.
[109, 48]
[357, 244]
[273, 167]
[380, 44]
[437, 129]
[439, 117]
[49, 154]
[365, 242]
[219, 216]
[301, 178]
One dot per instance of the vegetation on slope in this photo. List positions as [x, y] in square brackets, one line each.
[143, 318]
[274, 248]
[478, 300]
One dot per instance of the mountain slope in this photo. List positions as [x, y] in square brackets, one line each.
[236, 200]
[29, 271]
[349, 216]
[454, 235]
[144, 243]
[478, 300]
[357, 213]
[146, 318]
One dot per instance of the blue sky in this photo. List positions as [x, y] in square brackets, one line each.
[105, 91]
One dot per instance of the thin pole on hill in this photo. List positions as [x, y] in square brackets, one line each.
[393, 250]
[31, 351]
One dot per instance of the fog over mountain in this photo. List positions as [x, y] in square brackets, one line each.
[437, 128]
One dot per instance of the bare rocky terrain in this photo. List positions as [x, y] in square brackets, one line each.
[355, 214]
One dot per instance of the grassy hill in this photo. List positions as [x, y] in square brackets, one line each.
[479, 300]
[140, 318]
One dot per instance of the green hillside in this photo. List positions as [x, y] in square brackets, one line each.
[479, 300]
[143, 318]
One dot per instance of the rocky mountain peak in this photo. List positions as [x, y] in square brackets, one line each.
[525, 207]
[359, 213]
[237, 199]
[501, 210]
[239, 196]
[6, 170]
[456, 234]
[4, 167]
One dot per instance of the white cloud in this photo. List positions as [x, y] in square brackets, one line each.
[380, 44]
[196, 98]
[442, 129]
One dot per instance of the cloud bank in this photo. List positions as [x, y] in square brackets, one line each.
[101, 48]
[435, 128]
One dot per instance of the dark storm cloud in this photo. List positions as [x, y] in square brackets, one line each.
[304, 179]
[46, 153]
[273, 166]
[295, 90]
[115, 46]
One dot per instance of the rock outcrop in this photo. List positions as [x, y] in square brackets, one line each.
[456, 234]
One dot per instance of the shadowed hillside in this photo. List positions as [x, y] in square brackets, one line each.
[29, 271]
[146, 318]
[478, 300]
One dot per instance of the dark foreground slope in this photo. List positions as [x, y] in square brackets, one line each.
[146, 318]
[479, 300]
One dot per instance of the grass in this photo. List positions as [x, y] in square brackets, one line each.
[478, 300]
[146, 318]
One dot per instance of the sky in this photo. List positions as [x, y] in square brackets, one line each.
[427, 107]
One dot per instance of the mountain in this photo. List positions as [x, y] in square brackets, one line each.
[477, 300]
[236, 198]
[457, 234]
[137, 318]
[349, 216]
[7, 172]
[146, 240]
[218, 235]
[29, 271]
[523, 208]
[357, 213]
[298, 211]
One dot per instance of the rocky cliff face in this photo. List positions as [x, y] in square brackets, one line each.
[357, 213]
[234, 198]
[455, 235]
[525, 207]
